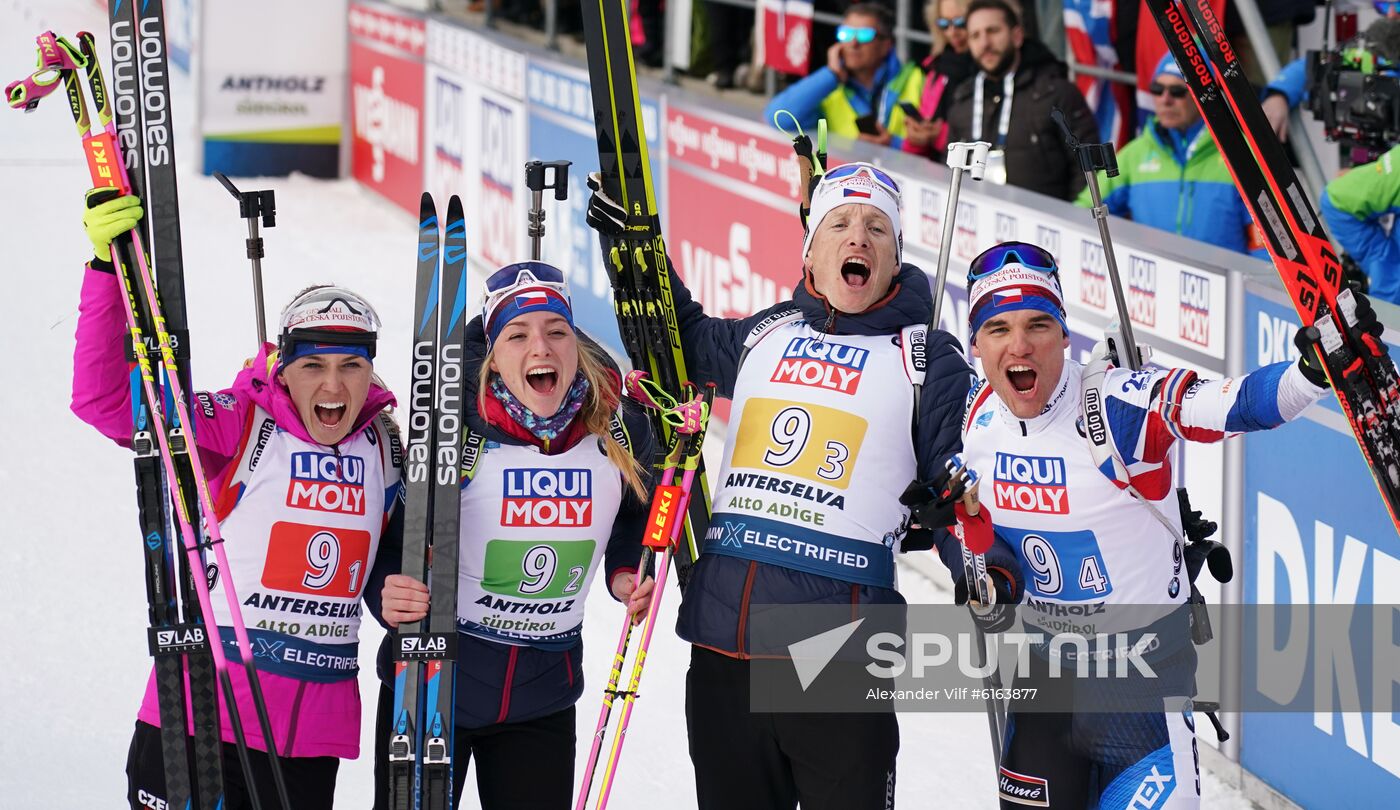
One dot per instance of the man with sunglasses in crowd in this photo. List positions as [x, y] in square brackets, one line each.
[1173, 176]
[860, 90]
[1100, 541]
[825, 432]
[1008, 105]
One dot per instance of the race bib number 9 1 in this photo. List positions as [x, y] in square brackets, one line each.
[316, 560]
[807, 441]
[531, 569]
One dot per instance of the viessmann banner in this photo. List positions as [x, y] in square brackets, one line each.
[387, 46]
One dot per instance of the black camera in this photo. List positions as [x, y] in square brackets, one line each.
[1354, 91]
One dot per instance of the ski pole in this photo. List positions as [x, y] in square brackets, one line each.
[668, 518]
[535, 172]
[252, 206]
[1094, 157]
[652, 396]
[962, 157]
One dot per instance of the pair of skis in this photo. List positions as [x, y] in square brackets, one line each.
[687, 421]
[1363, 375]
[421, 726]
[636, 262]
[162, 439]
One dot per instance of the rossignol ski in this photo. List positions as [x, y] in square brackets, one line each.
[420, 742]
[183, 469]
[636, 262]
[687, 421]
[1359, 366]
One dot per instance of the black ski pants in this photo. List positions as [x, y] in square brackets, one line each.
[519, 766]
[310, 780]
[770, 761]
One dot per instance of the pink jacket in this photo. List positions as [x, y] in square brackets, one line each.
[308, 719]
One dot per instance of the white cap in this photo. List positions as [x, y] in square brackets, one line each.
[855, 183]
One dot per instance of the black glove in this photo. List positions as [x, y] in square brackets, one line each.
[604, 215]
[1195, 525]
[1001, 614]
[1306, 340]
[1353, 276]
[932, 501]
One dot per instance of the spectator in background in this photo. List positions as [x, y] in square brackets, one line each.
[860, 89]
[1012, 70]
[730, 30]
[1173, 177]
[1354, 205]
[947, 65]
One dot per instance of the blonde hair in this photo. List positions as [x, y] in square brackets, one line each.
[599, 405]
[931, 15]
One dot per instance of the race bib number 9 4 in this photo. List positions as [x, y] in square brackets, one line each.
[530, 569]
[315, 560]
[813, 442]
[1061, 565]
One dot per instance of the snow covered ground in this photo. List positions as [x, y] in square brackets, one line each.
[73, 605]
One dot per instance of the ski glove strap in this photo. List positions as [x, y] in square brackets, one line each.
[605, 215]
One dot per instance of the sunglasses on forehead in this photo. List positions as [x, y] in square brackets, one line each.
[1385, 8]
[853, 169]
[1026, 255]
[1173, 90]
[850, 33]
[944, 23]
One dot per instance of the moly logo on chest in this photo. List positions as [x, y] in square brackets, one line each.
[821, 364]
[326, 482]
[533, 497]
[1031, 484]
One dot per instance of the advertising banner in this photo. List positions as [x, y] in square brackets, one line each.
[387, 47]
[1316, 533]
[749, 256]
[272, 97]
[1170, 304]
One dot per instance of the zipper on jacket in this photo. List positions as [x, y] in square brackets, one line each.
[292, 726]
[744, 610]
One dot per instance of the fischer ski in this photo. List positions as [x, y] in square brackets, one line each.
[636, 263]
[438, 464]
[1363, 375]
[687, 421]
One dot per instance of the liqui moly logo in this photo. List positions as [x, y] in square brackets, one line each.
[1048, 238]
[1006, 229]
[965, 233]
[547, 498]
[1093, 275]
[1030, 484]
[326, 482]
[389, 125]
[1195, 308]
[1142, 290]
[821, 364]
[930, 217]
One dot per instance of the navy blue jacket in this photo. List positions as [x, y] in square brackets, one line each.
[504, 683]
[714, 609]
